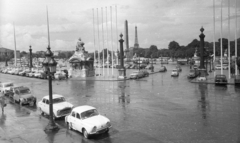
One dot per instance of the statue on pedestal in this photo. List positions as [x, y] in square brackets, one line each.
[81, 62]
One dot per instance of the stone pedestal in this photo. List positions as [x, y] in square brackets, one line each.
[122, 73]
[202, 74]
[75, 73]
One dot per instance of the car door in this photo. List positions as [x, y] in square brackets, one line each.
[78, 122]
[72, 120]
[46, 106]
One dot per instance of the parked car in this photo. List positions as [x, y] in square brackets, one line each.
[221, 79]
[179, 68]
[136, 75]
[175, 73]
[127, 66]
[202, 78]
[22, 95]
[6, 86]
[30, 74]
[237, 80]
[17, 71]
[150, 66]
[43, 75]
[37, 74]
[193, 74]
[61, 107]
[59, 75]
[162, 69]
[22, 73]
[87, 120]
[218, 67]
[145, 73]
[11, 71]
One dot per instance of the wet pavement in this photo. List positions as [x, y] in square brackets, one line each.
[155, 109]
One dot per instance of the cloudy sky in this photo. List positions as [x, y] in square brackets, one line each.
[159, 22]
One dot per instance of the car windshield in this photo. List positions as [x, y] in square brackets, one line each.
[24, 91]
[89, 113]
[9, 85]
[58, 100]
[220, 76]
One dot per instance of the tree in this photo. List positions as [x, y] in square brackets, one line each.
[153, 49]
[173, 46]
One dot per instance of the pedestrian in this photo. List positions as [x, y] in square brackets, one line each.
[2, 102]
[232, 70]
[66, 73]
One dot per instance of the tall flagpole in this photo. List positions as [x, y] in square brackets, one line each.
[98, 45]
[103, 42]
[221, 40]
[116, 33]
[236, 39]
[15, 50]
[111, 37]
[107, 43]
[229, 56]
[94, 38]
[48, 29]
[214, 47]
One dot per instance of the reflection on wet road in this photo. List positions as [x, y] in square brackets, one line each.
[158, 108]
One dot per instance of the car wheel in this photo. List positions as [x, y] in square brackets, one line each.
[69, 126]
[41, 112]
[85, 134]
[107, 131]
[54, 117]
[20, 102]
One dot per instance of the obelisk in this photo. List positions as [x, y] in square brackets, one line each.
[126, 41]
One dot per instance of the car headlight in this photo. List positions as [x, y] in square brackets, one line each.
[108, 124]
[94, 129]
[58, 112]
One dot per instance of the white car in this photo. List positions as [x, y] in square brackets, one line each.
[60, 75]
[202, 78]
[5, 86]
[61, 107]
[218, 67]
[136, 75]
[175, 72]
[88, 121]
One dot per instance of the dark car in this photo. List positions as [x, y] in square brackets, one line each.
[193, 74]
[221, 79]
[163, 69]
[179, 68]
[237, 80]
[145, 73]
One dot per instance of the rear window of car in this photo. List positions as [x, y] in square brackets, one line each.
[9, 85]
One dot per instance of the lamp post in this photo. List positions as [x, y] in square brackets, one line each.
[152, 64]
[50, 65]
[30, 57]
[6, 59]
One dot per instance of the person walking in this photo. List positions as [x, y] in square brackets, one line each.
[2, 102]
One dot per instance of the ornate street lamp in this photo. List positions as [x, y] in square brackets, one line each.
[30, 57]
[50, 65]
[152, 63]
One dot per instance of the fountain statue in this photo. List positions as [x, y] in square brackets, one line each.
[81, 63]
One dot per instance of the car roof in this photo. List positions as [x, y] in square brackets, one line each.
[53, 96]
[3, 83]
[83, 108]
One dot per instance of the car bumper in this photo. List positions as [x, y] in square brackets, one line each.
[100, 131]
